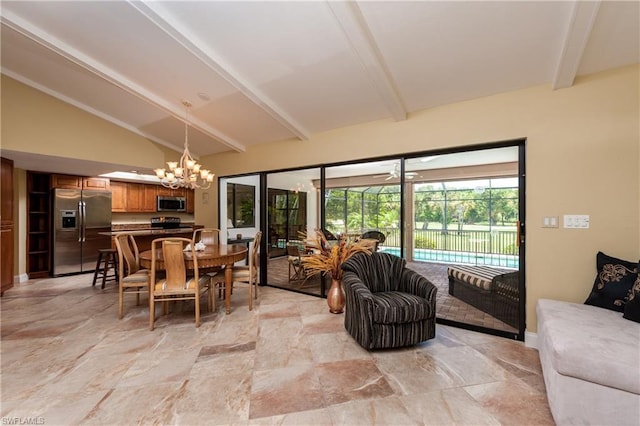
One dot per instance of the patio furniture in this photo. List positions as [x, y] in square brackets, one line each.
[492, 290]
[387, 305]
[374, 235]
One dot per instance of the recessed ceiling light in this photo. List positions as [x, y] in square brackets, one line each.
[204, 96]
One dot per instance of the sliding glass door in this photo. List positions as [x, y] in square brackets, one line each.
[456, 217]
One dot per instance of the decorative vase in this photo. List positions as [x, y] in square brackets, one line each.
[335, 297]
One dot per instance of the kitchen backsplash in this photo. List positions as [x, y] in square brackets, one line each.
[143, 220]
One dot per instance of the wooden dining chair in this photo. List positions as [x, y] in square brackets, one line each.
[176, 284]
[209, 236]
[131, 277]
[246, 274]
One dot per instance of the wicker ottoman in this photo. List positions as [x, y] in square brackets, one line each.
[492, 290]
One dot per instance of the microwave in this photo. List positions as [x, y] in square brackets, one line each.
[172, 204]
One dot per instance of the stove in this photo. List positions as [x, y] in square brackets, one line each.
[165, 222]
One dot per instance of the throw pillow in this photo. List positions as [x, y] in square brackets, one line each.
[632, 308]
[613, 282]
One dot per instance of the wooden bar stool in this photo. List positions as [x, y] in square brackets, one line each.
[107, 261]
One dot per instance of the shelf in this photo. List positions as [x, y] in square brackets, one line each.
[38, 224]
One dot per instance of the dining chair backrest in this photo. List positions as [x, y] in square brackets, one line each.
[128, 254]
[254, 259]
[209, 236]
[176, 284]
[131, 277]
[174, 262]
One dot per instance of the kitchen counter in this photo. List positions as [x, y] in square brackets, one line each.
[144, 237]
[152, 231]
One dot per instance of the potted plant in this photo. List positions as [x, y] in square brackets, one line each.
[328, 258]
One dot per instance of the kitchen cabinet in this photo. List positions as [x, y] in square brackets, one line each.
[38, 224]
[6, 225]
[191, 201]
[79, 182]
[130, 197]
[168, 192]
[141, 197]
[133, 197]
[66, 181]
[96, 183]
[118, 197]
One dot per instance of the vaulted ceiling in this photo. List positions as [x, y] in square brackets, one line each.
[258, 72]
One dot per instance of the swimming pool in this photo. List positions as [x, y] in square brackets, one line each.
[488, 259]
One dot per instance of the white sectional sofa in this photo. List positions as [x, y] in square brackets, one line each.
[591, 363]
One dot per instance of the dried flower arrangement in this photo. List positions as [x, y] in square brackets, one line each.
[330, 257]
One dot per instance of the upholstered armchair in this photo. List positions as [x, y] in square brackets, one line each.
[387, 305]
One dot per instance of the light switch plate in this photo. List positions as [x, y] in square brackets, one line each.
[578, 221]
[550, 222]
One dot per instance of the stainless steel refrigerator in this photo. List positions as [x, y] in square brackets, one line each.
[79, 218]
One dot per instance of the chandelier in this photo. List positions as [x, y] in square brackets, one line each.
[186, 173]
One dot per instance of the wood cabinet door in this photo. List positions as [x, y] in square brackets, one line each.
[134, 197]
[6, 191]
[6, 226]
[191, 201]
[165, 192]
[6, 263]
[149, 203]
[118, 197]
[96, 183]
[66, 181]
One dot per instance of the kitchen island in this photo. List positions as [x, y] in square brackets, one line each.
[144, 237]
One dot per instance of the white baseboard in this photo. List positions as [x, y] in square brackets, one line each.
[531, 339]
[20, 278]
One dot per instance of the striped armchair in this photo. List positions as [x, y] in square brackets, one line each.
[387, 305]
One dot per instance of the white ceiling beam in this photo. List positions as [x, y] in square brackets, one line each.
[583, 15]
[158, 15]
[68, 52]
[355, 28]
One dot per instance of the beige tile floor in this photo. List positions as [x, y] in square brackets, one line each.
[67, 359]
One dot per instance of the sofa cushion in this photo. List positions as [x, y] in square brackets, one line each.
[613, 282]
[632, 307]
[591, 343]
[397, 307]
[477, 276]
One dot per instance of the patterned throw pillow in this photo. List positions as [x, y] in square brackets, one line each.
[632, 308]
[612, 286]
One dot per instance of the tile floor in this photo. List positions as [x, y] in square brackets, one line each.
[448, 307]
[67, 359]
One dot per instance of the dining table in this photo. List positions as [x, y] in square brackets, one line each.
[214, 255]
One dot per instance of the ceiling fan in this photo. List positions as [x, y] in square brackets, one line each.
[394, 173]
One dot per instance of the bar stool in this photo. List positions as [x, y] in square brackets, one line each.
[106, 261]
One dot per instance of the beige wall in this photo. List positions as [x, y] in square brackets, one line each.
[37, 123]
[583, 157]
